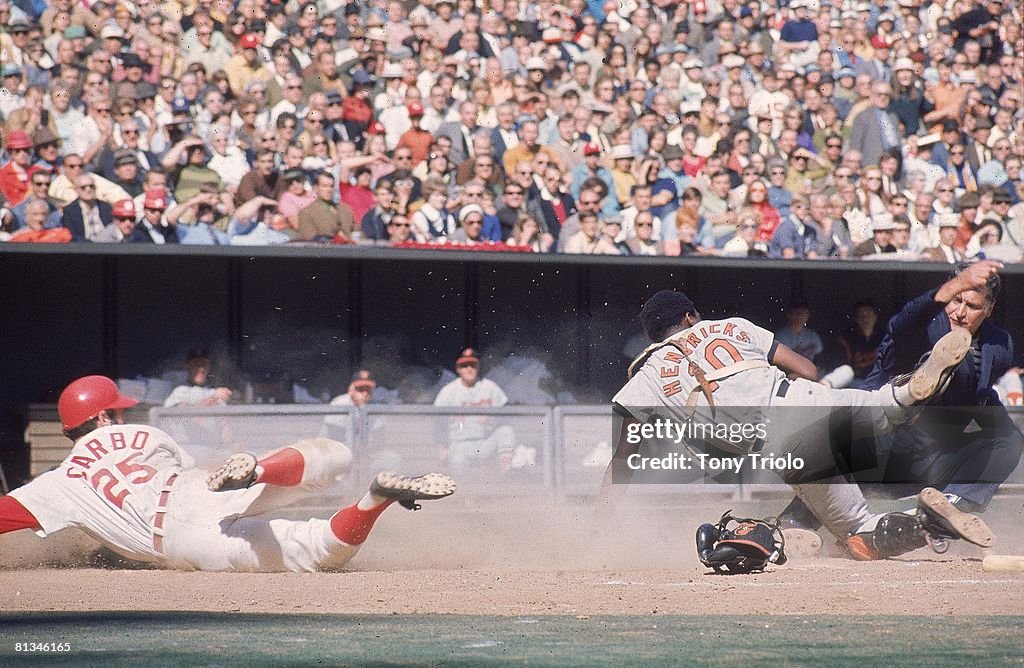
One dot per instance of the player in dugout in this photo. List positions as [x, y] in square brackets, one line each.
[724, 372]
[134, 489]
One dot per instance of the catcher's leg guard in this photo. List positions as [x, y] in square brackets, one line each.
[892, 535]
[935, 522]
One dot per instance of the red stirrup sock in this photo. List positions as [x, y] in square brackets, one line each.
[352, 525]
[283, 468]
[14, 516]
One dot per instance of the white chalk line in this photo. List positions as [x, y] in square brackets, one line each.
[720, 580]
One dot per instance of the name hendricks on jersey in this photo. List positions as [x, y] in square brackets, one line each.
[715, 353]
[699, 335]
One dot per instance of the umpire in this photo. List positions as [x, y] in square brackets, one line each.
[965, 444]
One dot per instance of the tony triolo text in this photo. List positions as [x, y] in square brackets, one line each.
[677, 461]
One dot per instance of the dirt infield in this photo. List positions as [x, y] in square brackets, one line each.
[531, 560]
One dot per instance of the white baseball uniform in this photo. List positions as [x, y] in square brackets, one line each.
[471, 437]
[189, 395]
[135, 490]
[799, 416]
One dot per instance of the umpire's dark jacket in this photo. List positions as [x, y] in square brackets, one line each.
[914, 330]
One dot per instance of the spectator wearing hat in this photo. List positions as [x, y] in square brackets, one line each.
[908, 101]
[877, 67]
[978, 151]
[357, 113]
[186, 165]
[153, 222]
[126, 173]
[622, 156]
[471, 225]
[945, 250]
[123, 229]
[416, 139]
[475, 441]
[14, 180]
[134, 69]
[798, 38]
[359, 392]
[592, 168]
[247, 64]
[323, 220]
[445, 25]
[918, 157]
[10, 88]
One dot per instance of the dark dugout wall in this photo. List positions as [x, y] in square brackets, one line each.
[311, 315]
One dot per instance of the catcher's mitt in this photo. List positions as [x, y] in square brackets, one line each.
[747, 546]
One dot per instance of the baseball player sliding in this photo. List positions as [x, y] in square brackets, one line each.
[707, 372]
[135, 490]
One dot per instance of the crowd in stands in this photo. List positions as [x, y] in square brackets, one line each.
[797, 129]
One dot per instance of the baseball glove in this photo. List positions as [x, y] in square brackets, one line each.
[740, 545]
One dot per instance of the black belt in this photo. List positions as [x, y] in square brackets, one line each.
[783, 388]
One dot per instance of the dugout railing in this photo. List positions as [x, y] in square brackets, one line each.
[558, 451]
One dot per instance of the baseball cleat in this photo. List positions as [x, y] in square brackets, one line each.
[945, 519]
[237, 472]
[407, 490]
[801, 543]
[946, 354]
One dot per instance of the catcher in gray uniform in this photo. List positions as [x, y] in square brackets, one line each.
[707, 373]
